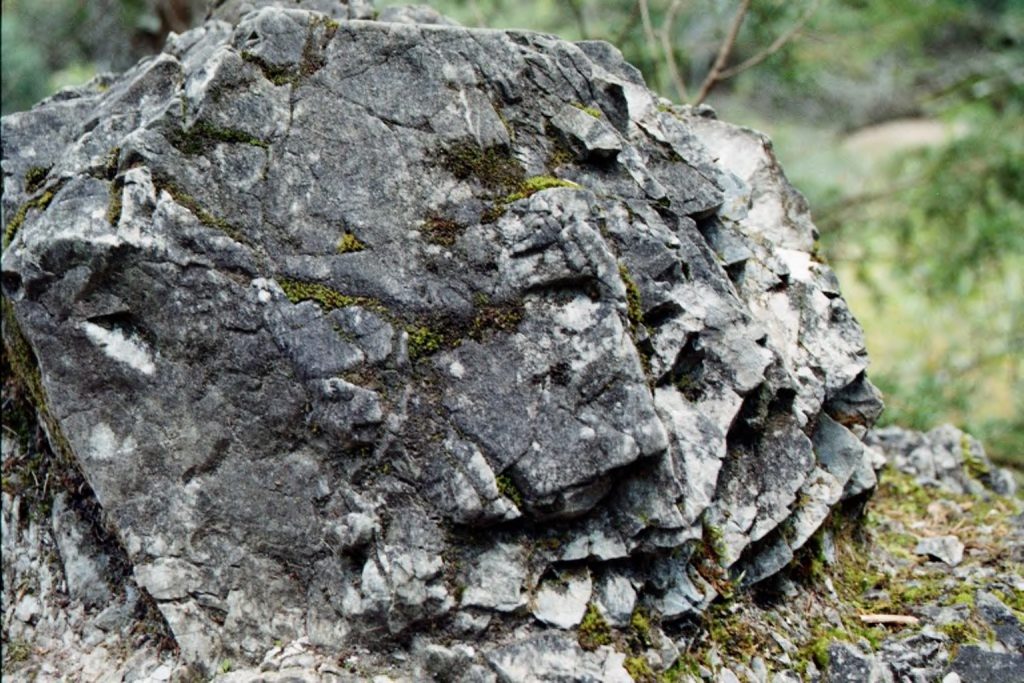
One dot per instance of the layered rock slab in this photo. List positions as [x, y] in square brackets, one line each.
[356, 327]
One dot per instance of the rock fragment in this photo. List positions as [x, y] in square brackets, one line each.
[948, 549]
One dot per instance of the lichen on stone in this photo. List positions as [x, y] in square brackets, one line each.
[349, 243]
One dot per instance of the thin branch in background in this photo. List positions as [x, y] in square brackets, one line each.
[666, 46]
[776, 45]
[835, 210]
[478, 15]
[652, 40]
[581, 20]
[723, 52]
[628, 26]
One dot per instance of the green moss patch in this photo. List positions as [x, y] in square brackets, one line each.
[498, 171]
[322, 295]
[494, 167]
[527, 188]
[349, 243]
[507, 488]
[592, 111]
[278, 75]
[202, 215]
[441, 230]
[423, 341]
[634, 303]
[560, 157]
[640, 629]
[532, 186]
[504, 318]
[593, 631]
[320, 32]
[35, 177]
[114, 205]
[37, 463]
[202, 136]
[40, 203]
[112, 163]
[639, 670]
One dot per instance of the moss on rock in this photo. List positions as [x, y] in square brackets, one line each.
[593, 631]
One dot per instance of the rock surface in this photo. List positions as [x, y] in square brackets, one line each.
[364, 329]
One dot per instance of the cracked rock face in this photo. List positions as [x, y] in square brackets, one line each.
[359, 328]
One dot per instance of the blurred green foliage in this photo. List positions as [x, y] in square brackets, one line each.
[928, 236]
[50, 44]
[38, 42]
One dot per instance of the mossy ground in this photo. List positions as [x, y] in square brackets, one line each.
[875, 572]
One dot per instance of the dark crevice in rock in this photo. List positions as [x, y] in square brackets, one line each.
[219, 452]
[688, 371]
[566, 289]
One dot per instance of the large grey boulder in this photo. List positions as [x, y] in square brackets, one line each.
[365, 329]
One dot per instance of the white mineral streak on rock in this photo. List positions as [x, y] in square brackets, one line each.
[121, 347]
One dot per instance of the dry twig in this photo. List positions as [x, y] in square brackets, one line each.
[719, 72]
[723, 52]
[645, 17]
[666, 46]
[894, 619]
[776, 45]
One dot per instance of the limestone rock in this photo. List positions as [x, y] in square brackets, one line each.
[946, 549]
[359, 328]
[945, 457]
[973, 663]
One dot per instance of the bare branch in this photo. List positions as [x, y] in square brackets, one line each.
[478, 15]
[645, 16]
[666, 46]
[628, 26]
[776, 45]
[895, 619]
[834, 211]
[723, 52]
[581, 20]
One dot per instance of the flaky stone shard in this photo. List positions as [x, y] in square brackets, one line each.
[356, 327]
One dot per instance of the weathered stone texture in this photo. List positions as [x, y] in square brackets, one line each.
[359, 326]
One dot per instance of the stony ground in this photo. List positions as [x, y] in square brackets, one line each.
[935, 555]
[940, 567]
